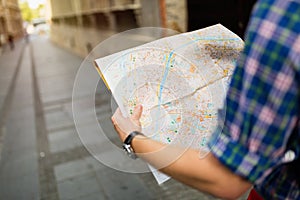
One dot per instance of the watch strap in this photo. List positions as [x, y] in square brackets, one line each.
[127, 144]
[130, 137]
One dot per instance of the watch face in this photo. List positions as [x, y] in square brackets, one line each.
[129, 151]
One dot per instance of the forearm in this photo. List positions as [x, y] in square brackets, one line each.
[206, 174]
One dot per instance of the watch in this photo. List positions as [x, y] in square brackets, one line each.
[127, 144]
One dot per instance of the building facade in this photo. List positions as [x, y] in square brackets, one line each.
[80, 25]
[11, 22]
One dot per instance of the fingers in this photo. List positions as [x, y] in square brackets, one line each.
[137, 112]
[115, 116]
[123, 125]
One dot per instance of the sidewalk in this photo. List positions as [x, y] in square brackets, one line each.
[42, 156]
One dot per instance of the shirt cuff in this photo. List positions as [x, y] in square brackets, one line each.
[237, 157]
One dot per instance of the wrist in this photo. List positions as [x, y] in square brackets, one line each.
[127, 144]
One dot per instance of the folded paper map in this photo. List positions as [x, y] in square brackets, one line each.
[181, 81]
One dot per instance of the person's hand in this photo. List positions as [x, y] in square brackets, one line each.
[125, 126]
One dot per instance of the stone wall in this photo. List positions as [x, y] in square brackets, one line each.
[11, 22]
[176, 15]
[170, 14]
[79, 25]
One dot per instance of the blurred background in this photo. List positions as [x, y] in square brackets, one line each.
[42, 45]
[79, 25]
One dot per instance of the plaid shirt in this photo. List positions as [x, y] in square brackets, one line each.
[261, 120]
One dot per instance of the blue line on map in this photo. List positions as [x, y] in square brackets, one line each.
[164, 77]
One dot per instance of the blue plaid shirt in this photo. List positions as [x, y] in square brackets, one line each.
[263, 104]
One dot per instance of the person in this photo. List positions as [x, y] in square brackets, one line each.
[26, 36]
[11, 42]
[259, 143]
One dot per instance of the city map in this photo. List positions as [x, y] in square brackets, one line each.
[181, 81]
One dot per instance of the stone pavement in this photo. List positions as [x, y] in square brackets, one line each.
[42, 156]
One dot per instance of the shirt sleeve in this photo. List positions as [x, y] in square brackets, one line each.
[262, 104]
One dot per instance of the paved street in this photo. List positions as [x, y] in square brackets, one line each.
[41, 155]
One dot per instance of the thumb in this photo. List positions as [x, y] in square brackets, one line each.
[137, 112]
